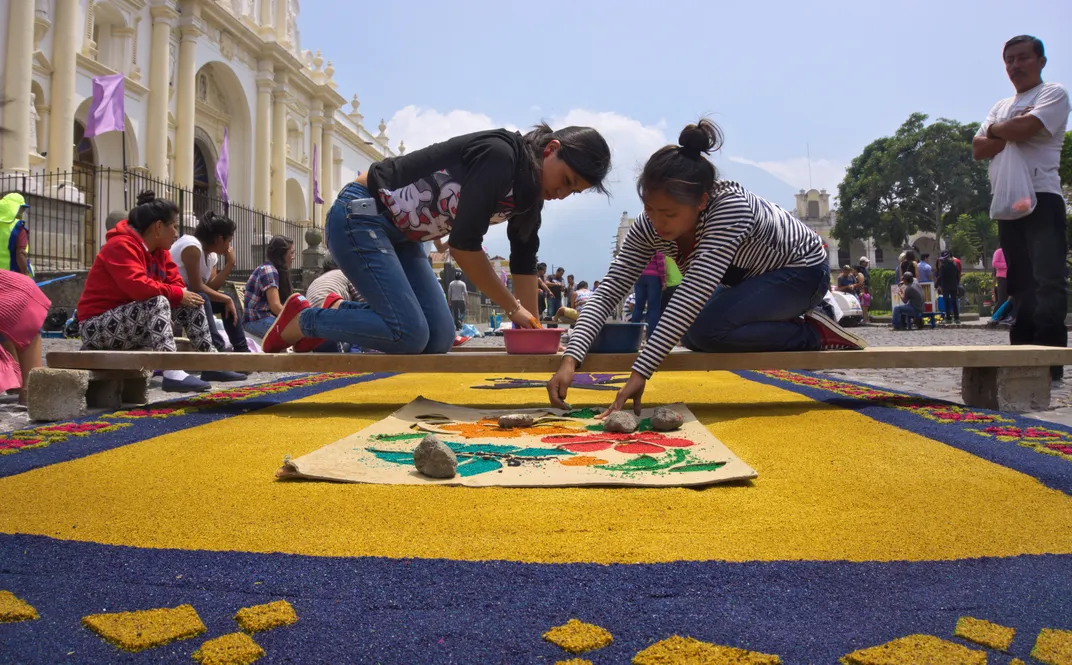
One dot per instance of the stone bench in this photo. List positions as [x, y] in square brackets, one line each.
[1003, 378]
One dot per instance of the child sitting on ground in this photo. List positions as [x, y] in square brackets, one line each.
[134, 296]
[269, 287]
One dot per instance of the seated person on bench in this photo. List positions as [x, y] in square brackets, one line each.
[773, 269]
[196, 257]
[269, 287]
[378, 224]
[134, 296]
[912, 309]
[23, 309]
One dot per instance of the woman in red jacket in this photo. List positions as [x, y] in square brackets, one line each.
[134, 296]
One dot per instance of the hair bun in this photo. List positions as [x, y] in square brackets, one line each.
[146, 196]
[700, 138]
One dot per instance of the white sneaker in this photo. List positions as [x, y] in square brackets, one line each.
[831, 335]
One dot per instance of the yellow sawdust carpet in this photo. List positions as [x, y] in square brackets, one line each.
[833, 484]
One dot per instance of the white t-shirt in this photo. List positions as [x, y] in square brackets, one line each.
[1042, 152]
[207, 261]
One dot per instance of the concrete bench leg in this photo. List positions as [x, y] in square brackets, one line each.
[56, 394]
[1011, 389]
[110, 389]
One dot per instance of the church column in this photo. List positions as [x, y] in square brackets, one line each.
[17, 79]
[316, 120]
[185, 108]
[65, 39]
[156, 152]
[266, 18]
[279, 148]
[125, 36]
[281, 19]
[262, 182]
[327, 161]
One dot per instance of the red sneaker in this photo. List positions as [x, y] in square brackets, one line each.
[313, 343]
[273, 341]
[832, 336]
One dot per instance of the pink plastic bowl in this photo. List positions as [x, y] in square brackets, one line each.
[532, 340]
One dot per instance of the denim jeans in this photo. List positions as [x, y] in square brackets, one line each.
[762, 313]
[404, 309]
[901, 314]
[647, 293]
[950, 302]
[235, 333]
[259, 328]
[1035, 248]
[457, 310]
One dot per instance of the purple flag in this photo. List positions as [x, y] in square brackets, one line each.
[223, 166]
[106, 110]
[316, 179]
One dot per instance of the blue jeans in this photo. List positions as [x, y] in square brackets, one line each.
[259, 328]
[902, 313]
[648, 294]
[404, 309]
[762, 313]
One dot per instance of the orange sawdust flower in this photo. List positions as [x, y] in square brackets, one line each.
[489, 428]
[582, 460]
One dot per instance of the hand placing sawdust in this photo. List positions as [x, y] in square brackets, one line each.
[633, 389]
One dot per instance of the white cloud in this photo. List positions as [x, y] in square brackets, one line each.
[578, 232]
[825, 173]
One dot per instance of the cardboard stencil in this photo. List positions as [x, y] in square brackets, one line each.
[561, 449]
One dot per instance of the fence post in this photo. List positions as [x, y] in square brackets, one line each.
[264, 245]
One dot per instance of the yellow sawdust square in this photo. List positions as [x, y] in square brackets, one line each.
[232, 649]
[1053, 647]
[574, 661]
[918, 650]
[265, 617]
[677, 649]
[924, 500]
[13, 608]
[143, 629]
[984, 632]
[577, 637]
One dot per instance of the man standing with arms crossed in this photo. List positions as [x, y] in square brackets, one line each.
[1035, 246]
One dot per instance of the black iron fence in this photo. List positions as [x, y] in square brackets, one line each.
[70, 213]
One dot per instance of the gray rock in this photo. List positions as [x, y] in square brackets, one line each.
[516, 420]
[434, 459]
[620, 421]
[665, 420]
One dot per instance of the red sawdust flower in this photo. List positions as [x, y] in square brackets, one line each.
[638, 443]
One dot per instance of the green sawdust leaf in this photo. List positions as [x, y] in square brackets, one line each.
[393, 457]
[542, 452]
[484, 448]
[586, 414]
[642, 426]
[398, 437]
[649, 463]
[699, 466]
[476, 466]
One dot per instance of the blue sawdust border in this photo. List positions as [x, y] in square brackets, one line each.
[1050, 470]
[140, 429]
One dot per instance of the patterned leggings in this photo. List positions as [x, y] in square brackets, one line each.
[146, 323]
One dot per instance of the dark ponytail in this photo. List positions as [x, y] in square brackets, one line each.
[277, 256]
[583, 149]
[212, 226]
[683, 171]
[150, 210]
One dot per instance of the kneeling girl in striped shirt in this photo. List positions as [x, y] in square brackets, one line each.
[753, 274]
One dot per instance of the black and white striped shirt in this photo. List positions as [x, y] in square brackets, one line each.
[738, 236]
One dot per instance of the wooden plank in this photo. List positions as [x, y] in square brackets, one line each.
[497, 362]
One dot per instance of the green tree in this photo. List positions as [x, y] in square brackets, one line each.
[1066, 161]
[974, 237]
[921, 178]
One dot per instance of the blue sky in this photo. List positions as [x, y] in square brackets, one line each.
[777, 76]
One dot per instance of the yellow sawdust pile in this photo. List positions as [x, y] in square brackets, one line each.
[576, 636]
[232, 649]
[678, 650]
[918, 650]
[265, 617]
[134, 631]
[574, 661]
[14, 609]
[1053, 647]
[985, 633]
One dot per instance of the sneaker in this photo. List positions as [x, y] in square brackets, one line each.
[308, 344]
[273, 339]
[831, 335]
[191, 384]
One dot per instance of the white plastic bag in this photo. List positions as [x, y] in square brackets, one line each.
[1010, 184]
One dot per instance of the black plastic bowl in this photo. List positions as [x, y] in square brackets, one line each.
[618, 338]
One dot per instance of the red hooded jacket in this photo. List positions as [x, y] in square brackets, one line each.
[124, 271]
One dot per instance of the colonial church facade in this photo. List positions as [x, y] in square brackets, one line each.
[193, 69]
